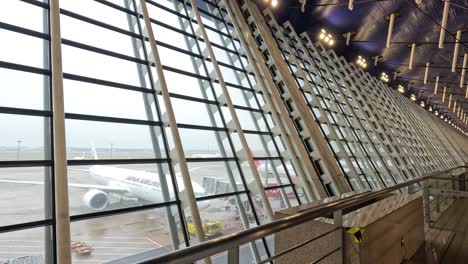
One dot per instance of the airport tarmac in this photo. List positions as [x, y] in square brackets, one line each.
[111, 237]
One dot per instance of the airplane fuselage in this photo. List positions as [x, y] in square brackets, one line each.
[142, 184]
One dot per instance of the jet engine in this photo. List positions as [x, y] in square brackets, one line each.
[96, 199]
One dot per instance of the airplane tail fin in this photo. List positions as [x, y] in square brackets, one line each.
[94, 155]
[256, 162]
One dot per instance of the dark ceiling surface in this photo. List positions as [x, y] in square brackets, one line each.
[417, 23]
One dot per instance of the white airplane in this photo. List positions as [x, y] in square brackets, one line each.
[125, 182]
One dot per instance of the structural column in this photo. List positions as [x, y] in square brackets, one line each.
[62, 215]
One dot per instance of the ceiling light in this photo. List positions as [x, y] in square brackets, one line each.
[436, 112]
[413, 97]
[361, 62]
[422, 104]
[384, 77]
[274, 3]
[325, 37]
[400, 89]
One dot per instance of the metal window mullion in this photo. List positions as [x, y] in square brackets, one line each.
[455, 147]
[428, 147]
[232, 181]
[455, 137]
[333, 136]
[307, 86]
[356, 98]
[298, 98]
[257, 126]
[62, 213]
[435, 130]
[373, 116]
[398, 133]
[429, 139]
[404, 119]
[179, 151]
[441, 143]
[413, 133]
[330, 167]
[291, 138]
[273, 111]
[243, 216]
[353, 114]
[154, 138]
[358, 141]
[347, 126]
[50, 246]
[237, 125]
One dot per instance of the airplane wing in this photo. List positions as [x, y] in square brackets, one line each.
[115, 189]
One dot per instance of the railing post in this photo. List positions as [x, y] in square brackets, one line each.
[233, 255]
[340, 240]
[427, 210]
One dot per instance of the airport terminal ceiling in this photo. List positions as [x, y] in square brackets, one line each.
[183, 121]
[418, 22]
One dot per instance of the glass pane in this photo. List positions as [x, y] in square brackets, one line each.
[114, 140]
[202, 141]
[107, 187]
[28, 188]
[26, 246]
[95, 10]
[23, 14]
[96, 36]
[92, 99]
[120, 236]
[23, 49]
[91, 64]
[23, 90]
[224, 216]
[24, 138]
[215, 177]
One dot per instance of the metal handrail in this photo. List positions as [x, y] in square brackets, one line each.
[214, 246]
